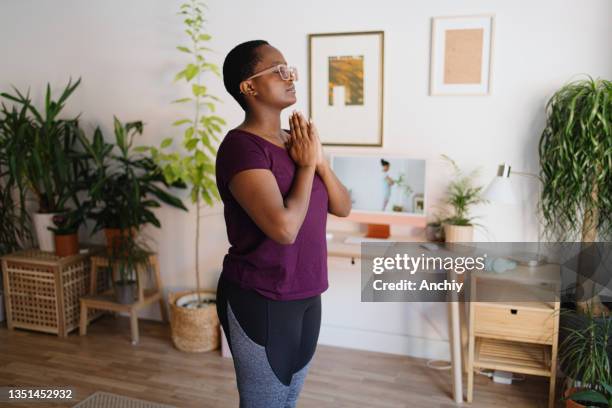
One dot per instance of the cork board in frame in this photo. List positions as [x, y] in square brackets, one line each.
[345, 87]
[461, 55]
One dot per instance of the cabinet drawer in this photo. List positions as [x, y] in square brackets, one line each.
[508, 322]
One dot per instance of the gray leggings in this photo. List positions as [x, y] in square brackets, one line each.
[258, 385]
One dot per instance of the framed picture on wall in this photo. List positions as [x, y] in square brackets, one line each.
[345, 75]
[461, 55]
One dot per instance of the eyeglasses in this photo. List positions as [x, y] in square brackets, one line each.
[286, 73]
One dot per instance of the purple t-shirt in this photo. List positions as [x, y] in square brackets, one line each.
[255, 261]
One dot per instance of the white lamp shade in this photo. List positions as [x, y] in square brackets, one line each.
[501, 191]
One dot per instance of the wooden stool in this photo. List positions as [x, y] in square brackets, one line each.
[106, 300]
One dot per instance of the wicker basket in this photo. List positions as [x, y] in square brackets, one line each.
[194, 330]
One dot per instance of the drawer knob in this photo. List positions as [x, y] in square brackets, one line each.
[352, 261]
[513, 311]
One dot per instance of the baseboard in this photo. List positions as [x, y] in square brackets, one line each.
[384, 342]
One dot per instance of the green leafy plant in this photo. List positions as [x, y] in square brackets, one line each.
[123, 186]
[462, 194]
[196, 164]
[42, 151]
[128, 254]
[576, 162]
[585, 352]
[15, 223]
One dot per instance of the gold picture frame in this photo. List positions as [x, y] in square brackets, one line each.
[346, 87]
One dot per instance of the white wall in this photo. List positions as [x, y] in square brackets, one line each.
[125, 53]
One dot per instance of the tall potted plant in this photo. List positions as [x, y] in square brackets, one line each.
[44, 158]
[193, 310]
[575, 152]
[15, 223]
[462, 194]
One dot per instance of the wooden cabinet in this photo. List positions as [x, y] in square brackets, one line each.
[509, 333]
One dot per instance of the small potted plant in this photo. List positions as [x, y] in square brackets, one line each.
[404, 189]
[462, 194]
[585, 356]
[66, 231]
[434, 230]
[128, 255]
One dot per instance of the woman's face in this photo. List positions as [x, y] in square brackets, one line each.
[270, 89]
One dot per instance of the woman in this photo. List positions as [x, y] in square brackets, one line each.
[277, 189]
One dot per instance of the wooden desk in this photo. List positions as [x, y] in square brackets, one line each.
[337, 247]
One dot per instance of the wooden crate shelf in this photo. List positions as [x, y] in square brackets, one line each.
[516, 357]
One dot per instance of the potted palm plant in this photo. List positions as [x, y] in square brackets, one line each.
[44, 158]
[575, 152]
[193, 315]
[462, 194]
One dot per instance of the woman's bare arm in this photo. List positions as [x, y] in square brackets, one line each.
[339, 198]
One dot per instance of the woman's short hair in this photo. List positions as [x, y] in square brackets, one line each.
[239, 65]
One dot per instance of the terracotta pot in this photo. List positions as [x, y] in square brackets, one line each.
[66, 244]
[571, 403]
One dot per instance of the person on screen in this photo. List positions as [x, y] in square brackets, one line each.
[277, 189]
[387, 182]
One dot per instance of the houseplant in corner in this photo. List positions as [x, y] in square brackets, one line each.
[462, 194]
[44, 158]
[193, 318]
[585, 355]
[575, 157]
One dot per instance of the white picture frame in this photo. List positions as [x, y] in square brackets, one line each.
[461, 58]
[346, 84]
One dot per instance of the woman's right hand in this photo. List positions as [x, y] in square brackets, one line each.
[302, 144]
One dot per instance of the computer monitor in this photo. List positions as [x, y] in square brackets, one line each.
[384, 188]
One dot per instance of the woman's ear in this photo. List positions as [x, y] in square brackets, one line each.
[246, 88]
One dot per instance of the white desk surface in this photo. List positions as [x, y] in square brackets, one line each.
[337, 247]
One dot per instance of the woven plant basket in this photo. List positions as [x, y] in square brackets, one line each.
[194, 330]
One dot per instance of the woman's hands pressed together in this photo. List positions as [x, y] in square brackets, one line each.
[304, 145]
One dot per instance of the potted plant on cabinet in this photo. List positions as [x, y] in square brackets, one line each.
[462, 194]
[66, 231]
[44, 158]
[193, 315]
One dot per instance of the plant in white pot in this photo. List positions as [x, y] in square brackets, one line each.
[44, 158]
[193, 314]
[461, 196]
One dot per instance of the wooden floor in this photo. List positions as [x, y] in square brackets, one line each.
[104, 360]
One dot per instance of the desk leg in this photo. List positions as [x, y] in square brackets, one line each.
[455, 343]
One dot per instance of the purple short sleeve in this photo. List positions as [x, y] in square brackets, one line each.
[238, 154]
